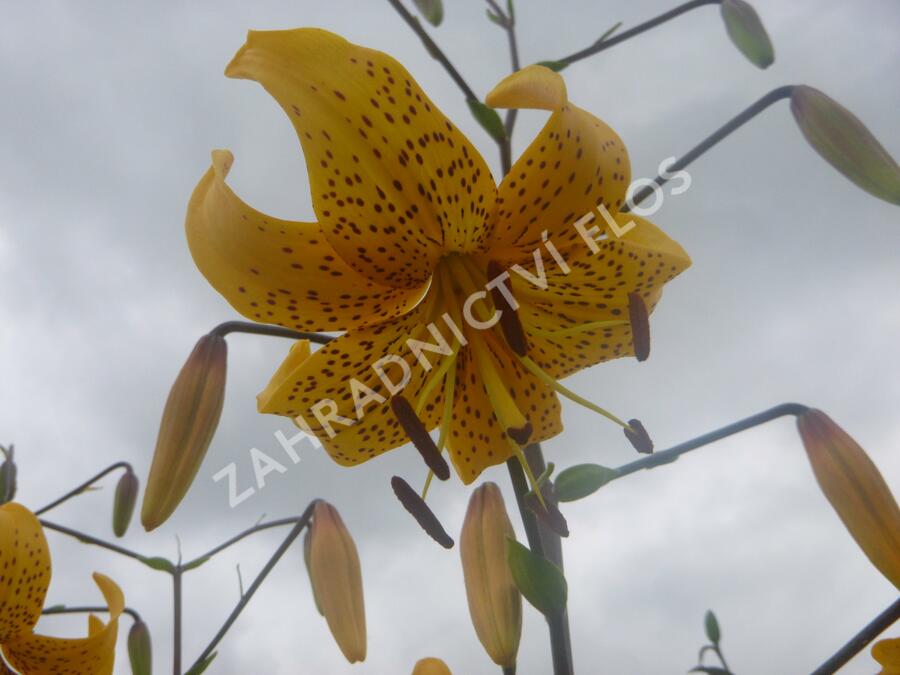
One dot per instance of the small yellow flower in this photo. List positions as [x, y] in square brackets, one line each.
[409, 220]
[431, 666]
[25, 565]
[887, 653]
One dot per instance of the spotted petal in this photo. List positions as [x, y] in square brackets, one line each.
[41, 655]
[394, 183]
[24, 570]
[575, 163]
[277, 271]
[561, 320]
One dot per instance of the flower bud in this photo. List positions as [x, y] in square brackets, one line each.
[431, 666]
[140, 650]
[495, 604]
[845, 143]
[856, 490]
[123, 502]
[747, 32]
[337, 580]
[8, 472]
[188, 423]
[306, 544]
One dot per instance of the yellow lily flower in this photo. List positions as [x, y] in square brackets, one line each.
[25, 562]
[409, 222]
[887, 653]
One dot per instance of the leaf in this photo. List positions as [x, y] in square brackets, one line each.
[158, 563]
[488, 118]
[711, 624]
[555, 66]
[202, 666]
[432, 10]
[710, 670]
[195, 564]
[539, 580]
[581, 480]
[495, 19]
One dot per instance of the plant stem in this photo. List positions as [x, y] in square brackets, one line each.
[544, 542]
[670, 455]
[711, 140]
[509, 26]
[50, 611]
[859, 641]
[84, 486]
[224, 329]
[176, 620]
[88, 539]
[433, 49]
[192, 564]
[602, 44]
[299, 525]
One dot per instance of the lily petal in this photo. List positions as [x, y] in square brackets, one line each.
[95, 654]
[557, 320]
[575, 163]
[394, 184]
[24, 570]
[887, 653]
[277, 271]
[329, 377]
[477, 439]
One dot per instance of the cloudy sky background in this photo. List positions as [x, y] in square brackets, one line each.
[107, 115]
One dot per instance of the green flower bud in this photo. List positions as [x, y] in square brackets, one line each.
[8, 473]
[124, 501]
[747, 32]
[845, 143]
[140, 650]
[188, 423]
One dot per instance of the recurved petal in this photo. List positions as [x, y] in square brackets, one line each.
[95, 654]
[394, 183]
[575, 163]
[887, 653]
[24, 570]
[477, 439]
[278, 271]
[561, 321]
[341, 381]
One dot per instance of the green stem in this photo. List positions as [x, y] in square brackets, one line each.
[224, 329]
[74, 492]
[88, 539]
[604, 44]
[193, 564]
[50, 611]
[859, 641]
[176, 614]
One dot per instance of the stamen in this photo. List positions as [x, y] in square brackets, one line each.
[419, 510]
[638, 436]
[509, 317]
[510, 416]
[521, 434]
[640, 326]
[436, 377]
[420, 437]
[526, 467]
[428, 480]
[548, 512]
[568, 393]
[574, 330]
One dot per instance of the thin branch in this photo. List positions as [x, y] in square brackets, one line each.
[604, 44]
[725, 130]
[88, 539]
[301, 523]
[192, 564]
[673, 453]
[433, 49]
[50, 611]
[509, 26]
[176, 620]
[224, 329]
[859, 641]
[84, 486]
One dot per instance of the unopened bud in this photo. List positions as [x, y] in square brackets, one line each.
[188, 423]
[124, 501]
[431, 666]
[140, 649]
[337, 580]
[856, 490]
[306, 544]
[747, 32]
[845, 143]
[495, 603]
[8, 473]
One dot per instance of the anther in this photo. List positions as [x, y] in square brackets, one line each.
[419, 510]
[548, 512]
[509, 318]
[420, 437]
[640, 326]
[639, 437]
[521, 434]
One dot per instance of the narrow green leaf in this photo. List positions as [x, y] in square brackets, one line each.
[158, 563]
[195, 564]
[747, 32]
[495, 19]
[555, 66]
[202, 666]
[710, 670]
[581, 480]
[432, 10]
[539, 580]
[488, 118]
[711, 623]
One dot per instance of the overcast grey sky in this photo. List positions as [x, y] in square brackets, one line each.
[107, 115]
